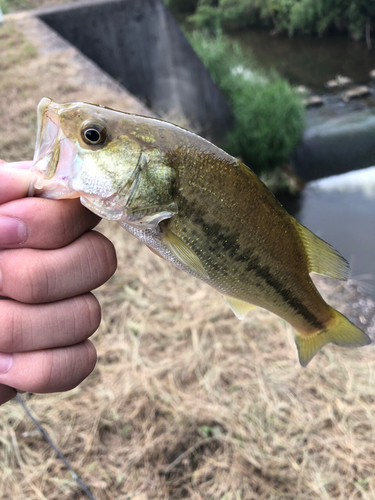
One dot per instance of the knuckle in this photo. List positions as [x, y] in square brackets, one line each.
[86, 317]
[81, 366]
[25, 275]
[99, 257]
[94, 312]
[106, 255]
[67, 367]
[90, 356]
[44, 373]
[41, 281]
[69, 223]
[8, 330]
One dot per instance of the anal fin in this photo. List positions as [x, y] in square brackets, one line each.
[239, 307]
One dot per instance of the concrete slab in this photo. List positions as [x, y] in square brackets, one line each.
[141, 47]
[87, 74]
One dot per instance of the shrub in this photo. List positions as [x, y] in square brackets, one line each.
[183, 6]
[305, 16]
[269, 116]
[269, 121]
[4, 6]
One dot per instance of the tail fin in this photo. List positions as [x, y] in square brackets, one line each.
[339, 331]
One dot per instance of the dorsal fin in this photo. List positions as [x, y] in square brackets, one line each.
[322, 257]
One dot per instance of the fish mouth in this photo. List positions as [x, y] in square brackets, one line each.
[53, 157]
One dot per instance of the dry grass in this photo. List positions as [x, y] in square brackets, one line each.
[17, 5]
[186, 401]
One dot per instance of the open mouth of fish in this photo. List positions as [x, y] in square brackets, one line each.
[54, 155]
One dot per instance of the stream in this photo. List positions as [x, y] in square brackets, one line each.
[308, 60]
[337, 153]
[341, 210]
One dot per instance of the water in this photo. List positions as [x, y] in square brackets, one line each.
[339, 137]
[341, 211]
[335, 144]
[309, 61]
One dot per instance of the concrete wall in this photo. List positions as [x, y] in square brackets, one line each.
[336, 145]
[139, 43]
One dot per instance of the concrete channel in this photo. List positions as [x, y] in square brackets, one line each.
[141, 47]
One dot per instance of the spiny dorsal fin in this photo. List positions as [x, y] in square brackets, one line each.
[322, 257]
[239, 307]
[183, 253]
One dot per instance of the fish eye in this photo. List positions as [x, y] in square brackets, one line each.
[94, 134]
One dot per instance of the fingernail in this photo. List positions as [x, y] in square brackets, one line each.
[6, 361]
[12, 231]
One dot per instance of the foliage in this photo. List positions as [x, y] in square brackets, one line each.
[269, 116]
[14, 5]
[304, 16]
[269, 124]
[240, 13]
[183, 6]
[8, 6]
[4, 6]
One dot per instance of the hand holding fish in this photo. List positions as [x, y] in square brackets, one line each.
[49, 262]
[196, 206]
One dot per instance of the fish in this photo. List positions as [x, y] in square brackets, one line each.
[196, 206]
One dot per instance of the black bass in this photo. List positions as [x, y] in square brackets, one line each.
[196, 206]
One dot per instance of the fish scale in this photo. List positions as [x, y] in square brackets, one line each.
[196, 206]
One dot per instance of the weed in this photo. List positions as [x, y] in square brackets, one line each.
[269, 116]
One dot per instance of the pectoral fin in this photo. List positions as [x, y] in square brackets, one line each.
[239, 307]
[183, 253]
[322, 257]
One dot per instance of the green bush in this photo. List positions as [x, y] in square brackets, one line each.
[268, 125]
[268, 114]
[13, 5]
[182, 6]
[237, 13]
[304, 16]
[4, 6]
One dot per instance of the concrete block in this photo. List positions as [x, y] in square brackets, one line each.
[139, 43]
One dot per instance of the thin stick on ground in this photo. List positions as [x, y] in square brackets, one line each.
[44, 433]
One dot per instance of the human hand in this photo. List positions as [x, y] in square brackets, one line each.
[49, 261]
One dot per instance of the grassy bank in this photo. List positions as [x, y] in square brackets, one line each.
[9, 6]
[186, 401]
[268, 113]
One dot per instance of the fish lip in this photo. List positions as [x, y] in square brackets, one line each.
[46, 138]
[41, 109]
[51, 145]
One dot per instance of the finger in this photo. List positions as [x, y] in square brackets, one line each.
[27, 327]
[25, 165]
[40, 276]
[42, 223]
[6, 394]
[14, 183]
[50, 370]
